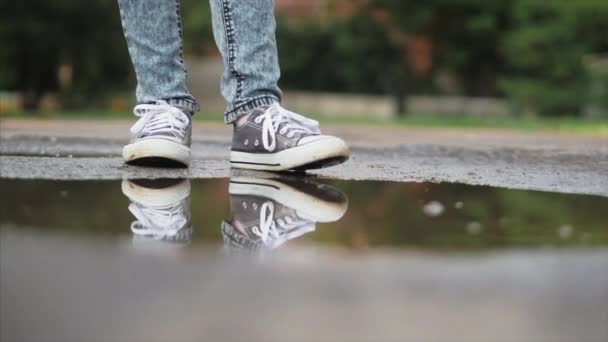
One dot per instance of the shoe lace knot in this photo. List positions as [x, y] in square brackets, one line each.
[267, 228]
[158, 222]
[274, 232]
[277, 119]
[160, 119]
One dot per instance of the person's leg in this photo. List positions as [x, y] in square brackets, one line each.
[244, 33]
[266, 136]
[153, 32]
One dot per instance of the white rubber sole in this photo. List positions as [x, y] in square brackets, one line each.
[156, 197]
[313, 154]
[156, 148]
[307, 206]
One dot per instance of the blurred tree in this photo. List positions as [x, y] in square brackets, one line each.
[342, 56]
[198, 33]
[82, 38]
[353, 55]
[546, 46]
[461, 36]
[597, 68]
[529, 50]
[399, 47]
[39, 36]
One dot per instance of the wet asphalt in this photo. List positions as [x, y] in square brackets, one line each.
[544, 162]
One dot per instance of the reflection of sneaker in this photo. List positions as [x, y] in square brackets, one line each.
[161, 208]
[161, 136]
[275, 139]
[268, 212]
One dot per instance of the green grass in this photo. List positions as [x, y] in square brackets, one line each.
[530, 124]
[595, 127]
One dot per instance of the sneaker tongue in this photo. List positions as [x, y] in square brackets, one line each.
[310, 124]
[159, 112]
[138, 126]
[261, 109]
[241, 120]
[304, 121]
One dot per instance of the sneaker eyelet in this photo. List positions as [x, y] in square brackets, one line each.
[257, 120]
[244, 205]
[254, 206]
[290, 135]
[281, 222]
[256, 142]
[282, 131]
[246, 142]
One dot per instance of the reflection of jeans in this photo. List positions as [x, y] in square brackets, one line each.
[244, 33]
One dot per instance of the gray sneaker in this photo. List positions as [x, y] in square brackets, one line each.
[161, 137]
[275, 139]
[268, 212]
[161, 208]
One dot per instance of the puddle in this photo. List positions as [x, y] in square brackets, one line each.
[161, 260]
[268, 214]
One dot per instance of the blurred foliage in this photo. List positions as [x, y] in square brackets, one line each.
[350, 56]
[38, 36]
[464, 36]
[546, 47]
[598, 93]
[530, 51]
[196, 17]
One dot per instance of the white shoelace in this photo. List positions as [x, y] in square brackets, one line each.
[157, 222]
[290, 123]
[267, 225]
[273, 236]
[160, 118]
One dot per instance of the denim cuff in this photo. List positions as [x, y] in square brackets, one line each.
[247, 106]
[184, 103]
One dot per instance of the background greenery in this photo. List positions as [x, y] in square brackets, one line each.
[531, 52]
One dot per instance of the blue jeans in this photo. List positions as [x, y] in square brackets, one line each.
[244, 32]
